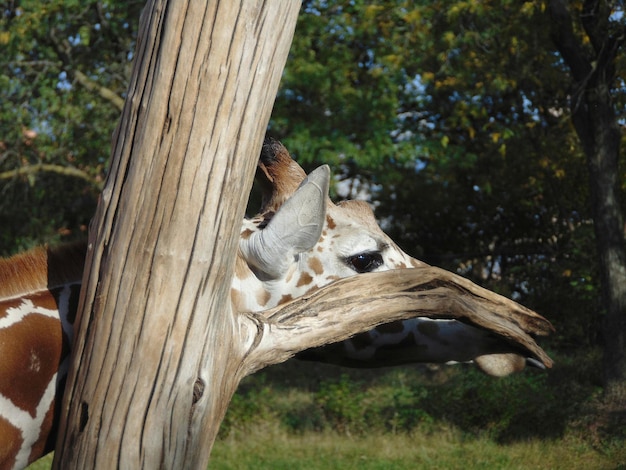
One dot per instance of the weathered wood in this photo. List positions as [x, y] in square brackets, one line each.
[353, 305]
[154, 355]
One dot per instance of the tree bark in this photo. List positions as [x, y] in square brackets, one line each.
[359, 303]
[595, 121]
[154, 355]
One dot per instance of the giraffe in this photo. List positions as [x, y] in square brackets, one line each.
[299, 242]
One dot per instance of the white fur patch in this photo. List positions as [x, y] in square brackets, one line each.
[16, 314]
[29, 426]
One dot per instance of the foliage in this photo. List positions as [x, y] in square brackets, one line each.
[475, 165]
[317, 416]
[49, 117]
[455, 119]
[308, 415]
[534, 406]
[264, 447]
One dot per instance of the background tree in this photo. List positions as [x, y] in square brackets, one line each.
[65, 68]
[591, 56]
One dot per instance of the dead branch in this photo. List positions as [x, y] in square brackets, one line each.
[359, 303]
[51, 168]
[103, 91]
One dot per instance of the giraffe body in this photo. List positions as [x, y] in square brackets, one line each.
[300, 242]
[38, 300]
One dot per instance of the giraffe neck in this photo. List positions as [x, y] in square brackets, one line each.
[420, 341]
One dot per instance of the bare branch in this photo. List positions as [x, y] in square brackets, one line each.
[359, 303]
[64, 51]
[566, 42]
[103, 91]
[594, 22]
[47, 167]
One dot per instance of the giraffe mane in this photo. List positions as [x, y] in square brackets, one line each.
[278, 175]
[41, 268]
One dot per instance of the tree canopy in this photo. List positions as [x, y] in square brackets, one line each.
[454, 117]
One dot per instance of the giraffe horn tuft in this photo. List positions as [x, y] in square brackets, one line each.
[295, 228]
[278, 175]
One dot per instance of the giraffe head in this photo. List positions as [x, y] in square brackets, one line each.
[301, 241]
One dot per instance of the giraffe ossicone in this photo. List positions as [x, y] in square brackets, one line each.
[299, 242]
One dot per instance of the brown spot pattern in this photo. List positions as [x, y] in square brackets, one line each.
[361, 341]
[47, 437]
[408, 342]
[316, 265]
[31, 351]
[12, 441]
[430, 329]
[263, 297]
[241, 268]
[305, 278]
[236, 298]
[284, 299]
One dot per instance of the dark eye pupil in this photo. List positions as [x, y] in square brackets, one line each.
[365, 262]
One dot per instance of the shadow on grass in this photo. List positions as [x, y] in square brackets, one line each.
[532, 405]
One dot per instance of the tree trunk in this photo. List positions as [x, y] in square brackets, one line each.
[155, 364]
[595, 121]
[609, 232]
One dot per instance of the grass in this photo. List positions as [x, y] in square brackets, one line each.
[313, 416]
[269, 447]
[263, 448]
[42, 464]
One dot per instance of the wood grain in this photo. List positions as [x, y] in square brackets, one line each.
[154, 353]
[359, 303]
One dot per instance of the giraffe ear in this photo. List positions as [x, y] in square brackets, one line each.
[295, 228]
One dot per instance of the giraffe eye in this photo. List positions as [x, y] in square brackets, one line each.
[365, 262]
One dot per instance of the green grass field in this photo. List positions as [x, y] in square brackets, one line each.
[271, 448]
[263, 448]
[312, 416]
